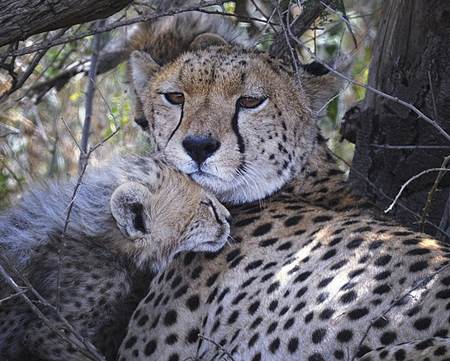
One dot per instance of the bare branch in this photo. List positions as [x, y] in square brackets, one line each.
[109, 27]
[439, 228]
[411, 107]
[431, 194]
[90, 96]
[402, 147]
[426, 171]
[311, 11]
[20, 19]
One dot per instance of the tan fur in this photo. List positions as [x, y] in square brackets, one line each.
[315, 274]
[102, 278]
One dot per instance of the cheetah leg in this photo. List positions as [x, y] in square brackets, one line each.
[431, 349]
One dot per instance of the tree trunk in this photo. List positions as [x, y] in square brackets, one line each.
[20, 19]
[411, 61]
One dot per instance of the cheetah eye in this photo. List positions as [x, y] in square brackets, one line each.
[250, 102]
[174, 98]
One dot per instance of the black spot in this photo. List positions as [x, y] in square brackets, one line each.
[388, 338]
[193, 335]
[212, 279]
[262, 230]
[344, 336]
[381, 322]
[318, 335]
[418, 252]
[358, 313]
[253, 307]
[355, 243]
[302, 277]
[382, 289]
[383, 260]
[348, 297]
[418, 266]
[142, 321]
[323, 283]
[424, 344]
[293, 345]
[443, 294]
[150, 348]
[171, 339]
[253, 340]
[193, 302]
[170, 318]
[253, 265]
[274, 345]
[292, 221]
[422, 323]
[330, 253]
[233, 317]
[130, 342]
[233, 254]
[316, 357]
[326, 314]
[321, 219]
[268, 242]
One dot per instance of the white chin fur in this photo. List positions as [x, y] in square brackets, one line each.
[236, 192]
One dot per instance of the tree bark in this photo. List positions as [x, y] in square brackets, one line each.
[411, 61]
[20, 19]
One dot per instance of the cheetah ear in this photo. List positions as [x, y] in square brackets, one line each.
[320, 85]
[129, 206]
[206, 40]
[142, 67]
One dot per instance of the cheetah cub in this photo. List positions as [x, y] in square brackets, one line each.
[128, 218]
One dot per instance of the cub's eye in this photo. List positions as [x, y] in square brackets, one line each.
[250, 102]
[174, 98]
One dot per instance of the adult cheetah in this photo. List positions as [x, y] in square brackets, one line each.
[314, 273]
[129, 219]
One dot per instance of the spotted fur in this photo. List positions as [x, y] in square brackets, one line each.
[129, 219]
[314, 273]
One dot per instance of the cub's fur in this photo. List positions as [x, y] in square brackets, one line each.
[128, 219]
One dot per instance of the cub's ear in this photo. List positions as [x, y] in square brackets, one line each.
[142, 67]
[320, 85]
[205, 40]
[130, 208]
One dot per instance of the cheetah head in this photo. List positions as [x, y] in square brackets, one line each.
[232, 119]
[159, 223]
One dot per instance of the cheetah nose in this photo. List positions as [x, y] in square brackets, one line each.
[200, 147]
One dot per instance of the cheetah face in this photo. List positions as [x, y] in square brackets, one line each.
[159, 223]
[229, 118]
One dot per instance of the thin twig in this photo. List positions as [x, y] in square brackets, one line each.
[91, 86]
[426, 171]
[385, 196]
[431, 194]
[109, 27]
[83, 346]
[69, 212]
[12, 296]
[218, 346]
[421, 283]
[411, 107]
[344, 18]
[401, 147]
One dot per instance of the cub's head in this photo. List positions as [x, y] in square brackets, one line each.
[232, 119]
[177, 215]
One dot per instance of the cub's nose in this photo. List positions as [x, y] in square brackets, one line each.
[200, 147]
